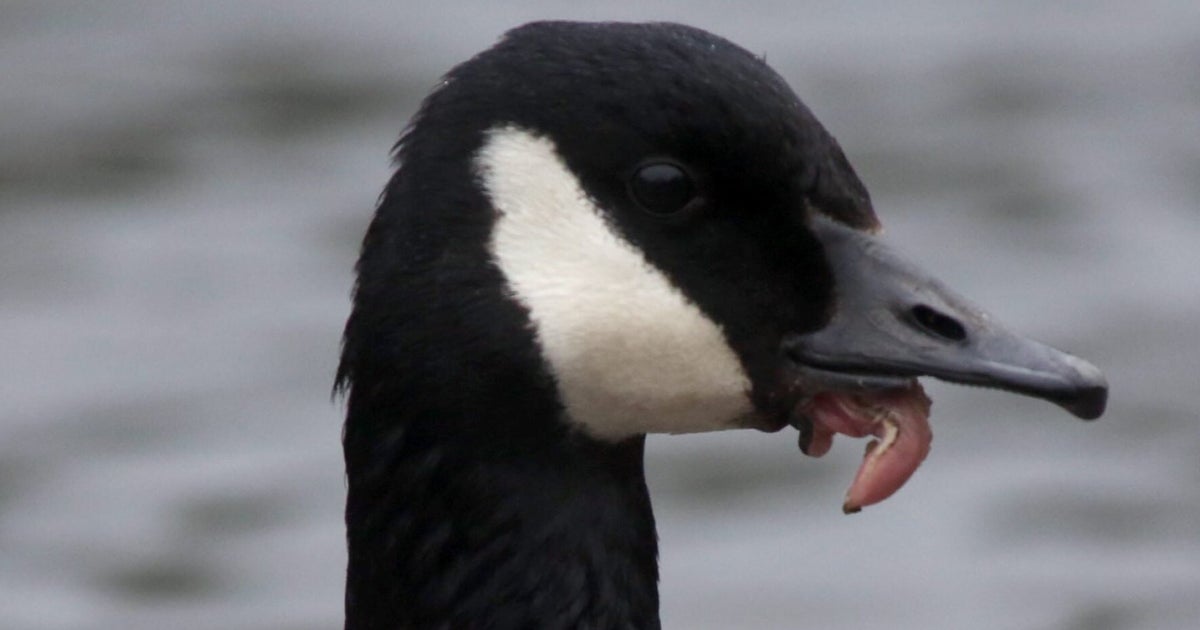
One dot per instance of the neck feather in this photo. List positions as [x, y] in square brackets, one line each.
[462, 532]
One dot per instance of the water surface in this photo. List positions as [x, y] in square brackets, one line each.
[183, 188]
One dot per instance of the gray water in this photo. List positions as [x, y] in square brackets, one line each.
[183, 188]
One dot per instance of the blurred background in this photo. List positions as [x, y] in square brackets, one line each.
[183, 187]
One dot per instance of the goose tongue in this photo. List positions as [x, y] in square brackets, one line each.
[899, 420]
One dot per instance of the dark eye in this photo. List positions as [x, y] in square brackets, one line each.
[662, 188]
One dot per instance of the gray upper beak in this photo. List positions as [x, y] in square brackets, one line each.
[892, 319]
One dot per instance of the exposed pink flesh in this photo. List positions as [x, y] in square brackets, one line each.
[898, 418]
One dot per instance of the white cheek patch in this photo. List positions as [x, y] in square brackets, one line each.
[631, 354]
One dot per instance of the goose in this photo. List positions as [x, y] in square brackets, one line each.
[596, 232]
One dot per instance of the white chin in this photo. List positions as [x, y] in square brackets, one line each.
[630, 353]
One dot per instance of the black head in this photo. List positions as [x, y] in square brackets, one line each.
[692, 154]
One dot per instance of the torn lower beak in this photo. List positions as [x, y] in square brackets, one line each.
[894, 320]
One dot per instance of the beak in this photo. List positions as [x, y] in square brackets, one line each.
[892, 321]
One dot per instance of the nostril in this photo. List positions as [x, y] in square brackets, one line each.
[938, 324]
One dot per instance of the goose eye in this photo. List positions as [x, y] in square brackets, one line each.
[662, 188]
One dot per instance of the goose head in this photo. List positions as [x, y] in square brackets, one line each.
[602, 231]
